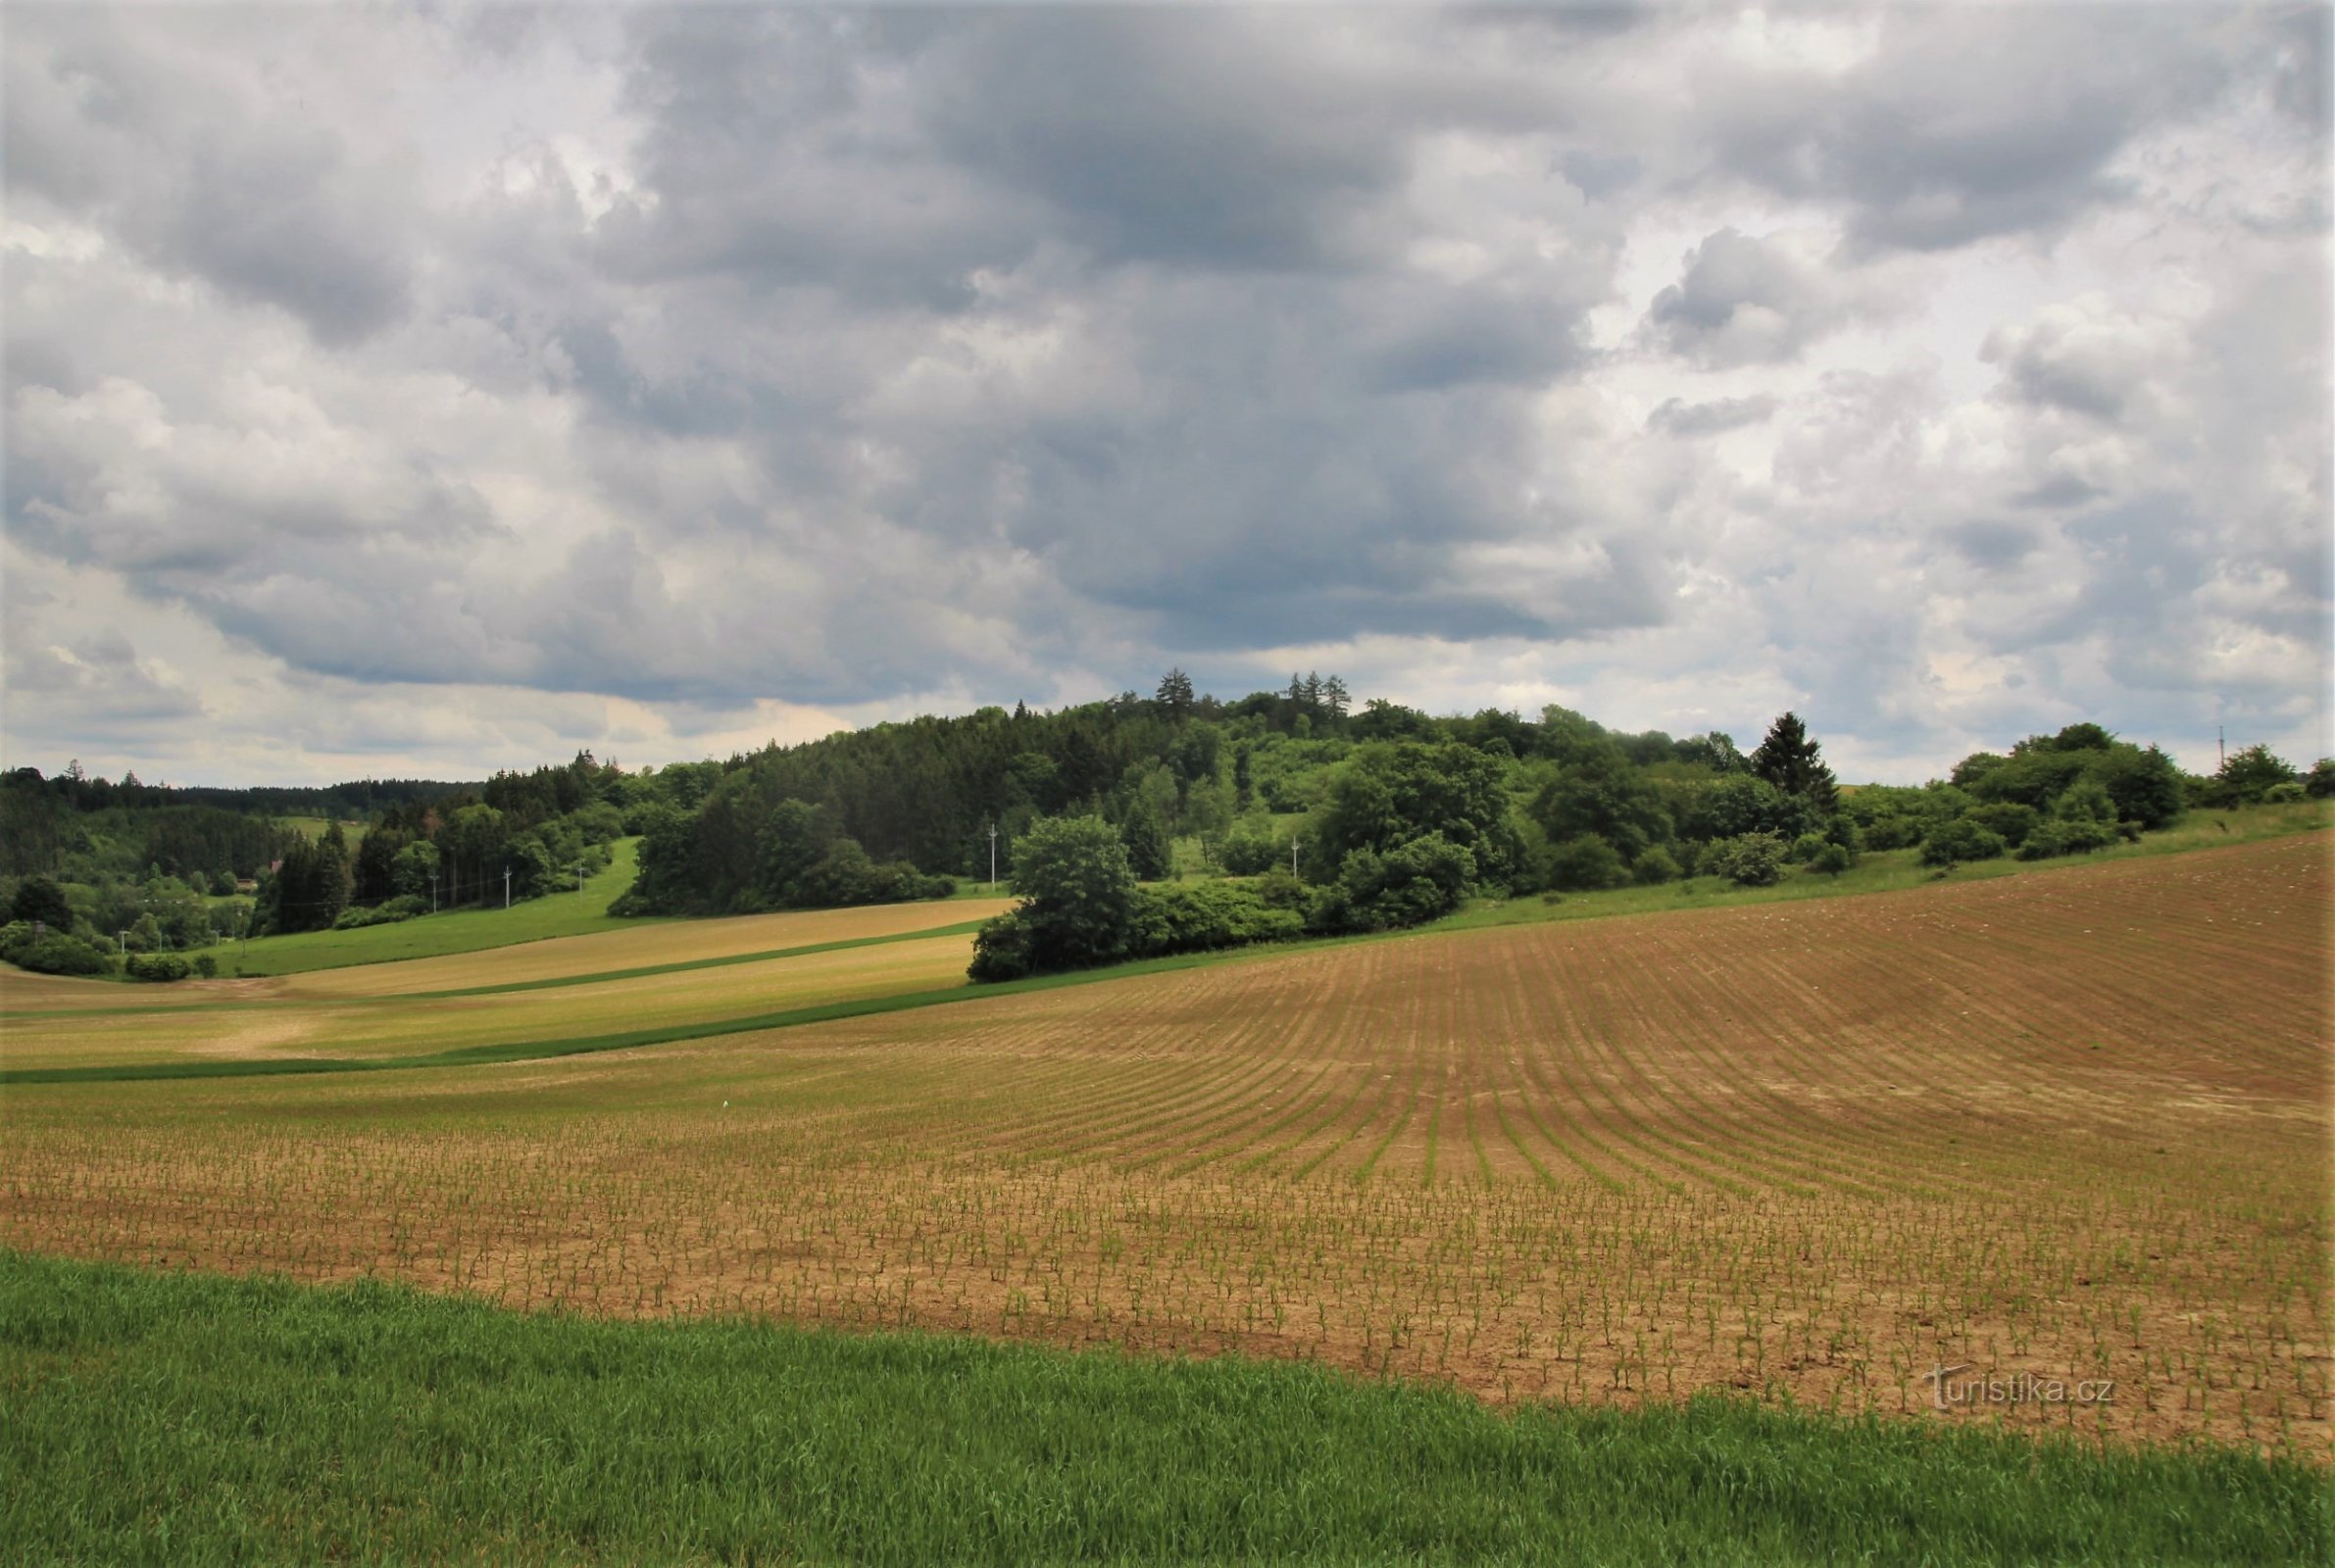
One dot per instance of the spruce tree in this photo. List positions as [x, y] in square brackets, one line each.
[1795, 764]
[1175, 693]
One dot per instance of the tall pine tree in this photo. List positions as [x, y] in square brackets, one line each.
[1793, 763]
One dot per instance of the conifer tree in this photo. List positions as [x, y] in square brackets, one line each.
[1795, 764]
[1175, 693]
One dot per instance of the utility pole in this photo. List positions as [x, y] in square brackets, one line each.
[122, 942]
[433, 893]
[2220, 747]
[506, 887]
[993, 856]
[579, 876]
[1293, 843]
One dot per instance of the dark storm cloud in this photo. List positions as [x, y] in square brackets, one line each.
[261, 200]
[1158, 141]
[1992, 544]
[1968, 123]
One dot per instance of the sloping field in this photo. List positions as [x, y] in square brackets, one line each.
[369, 1027]
[2065, 1131]
[675, 943]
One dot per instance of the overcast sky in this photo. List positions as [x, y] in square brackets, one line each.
[426, 391]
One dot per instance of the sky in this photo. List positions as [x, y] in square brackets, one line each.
[421, 391]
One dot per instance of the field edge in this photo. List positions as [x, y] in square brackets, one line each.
[372, 1418]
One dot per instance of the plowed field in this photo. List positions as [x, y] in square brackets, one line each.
[2064, 1129]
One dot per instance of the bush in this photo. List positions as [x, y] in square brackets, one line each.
[2071, 835]
[52, 951]
[1832, 859]
[1200, 917]
[1281, 891]
[161, 967]
[1000, 948]
[2322, 782]
[2286, 794]
[2011, 821]
[1807, 847]
[1251, 850]
[1656, 866]
[1584, 864]
[1419, 881]
[1962, 839]
[1892, 832]
[2044, 843]
[357, 918]
[1747, 859]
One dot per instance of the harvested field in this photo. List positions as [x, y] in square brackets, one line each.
[2068, 1126]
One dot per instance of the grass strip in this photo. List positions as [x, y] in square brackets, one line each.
[586, 1044]
[182, 1418]
[598, 977]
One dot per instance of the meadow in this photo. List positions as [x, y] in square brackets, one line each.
[466, 930]
[400, 1427]
[2061, 1127]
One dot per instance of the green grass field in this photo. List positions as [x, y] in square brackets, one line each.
[185, 1419]
[313, 827]
[556, 914]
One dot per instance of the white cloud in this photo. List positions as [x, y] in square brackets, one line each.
[430, 392]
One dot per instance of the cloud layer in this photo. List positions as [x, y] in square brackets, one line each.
[436, 391]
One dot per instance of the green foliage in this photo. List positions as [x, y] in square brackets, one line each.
[2010, 821]
[161, 967]
[1390, 793]
[1832, 859]
[53, 951]
[845, 876]
[1587, 863]
[1735, 804]
[2322, 782]
[358, 917]
[1146, 839]
[2247, 775]
[1795, 764]
[1251, 849]
[39, 900]
[2031, 776]
[2144, 784]
[1416, 882]
[1198, 916]
[1656, 866]
[1748, 860]
[1082, 905]
[1600, 792]
[1078, 892]
[310, 887]
[1807, 847]
[1002, 948]
[2056, 836]
[1964, 838]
